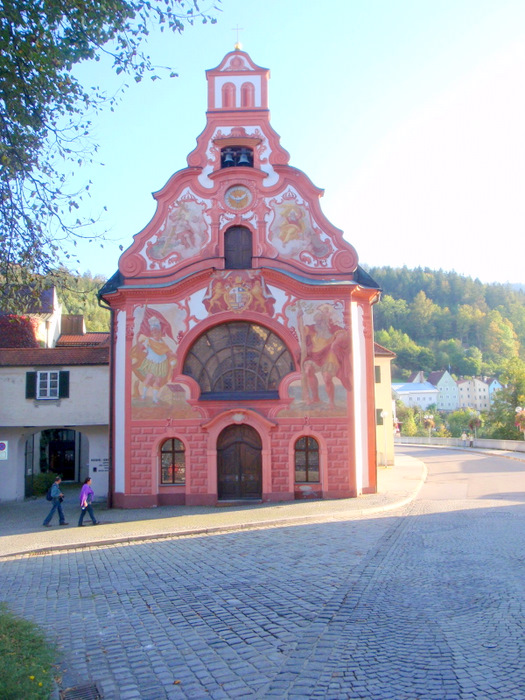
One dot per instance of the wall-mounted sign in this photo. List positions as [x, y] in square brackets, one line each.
[3, 449]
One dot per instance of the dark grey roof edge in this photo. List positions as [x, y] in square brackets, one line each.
[112, 285]
[361, 277]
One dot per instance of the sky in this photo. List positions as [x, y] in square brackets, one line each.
[410, 114]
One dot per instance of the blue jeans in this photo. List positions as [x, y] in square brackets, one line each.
[57, 505]
[89, 509]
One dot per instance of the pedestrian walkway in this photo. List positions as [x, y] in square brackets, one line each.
[21, 530]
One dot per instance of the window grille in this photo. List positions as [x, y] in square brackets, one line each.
[238, 360]
[173, 462]
[306, 460]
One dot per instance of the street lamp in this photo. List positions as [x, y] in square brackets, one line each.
[520, 419]
[384, 414]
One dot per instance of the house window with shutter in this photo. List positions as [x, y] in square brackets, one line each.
[48, 384]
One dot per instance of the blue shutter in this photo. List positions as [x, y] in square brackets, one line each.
[30, 385]
[63, 385]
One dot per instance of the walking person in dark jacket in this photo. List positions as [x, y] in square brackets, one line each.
[86, 498]
[57, 497]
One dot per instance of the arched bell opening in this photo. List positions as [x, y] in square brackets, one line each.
[237, 156]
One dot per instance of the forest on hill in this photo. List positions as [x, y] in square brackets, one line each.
[435, 320]
[78, 295]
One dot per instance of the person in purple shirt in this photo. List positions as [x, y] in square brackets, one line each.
[86, 498]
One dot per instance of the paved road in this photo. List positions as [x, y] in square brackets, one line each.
[423, 602]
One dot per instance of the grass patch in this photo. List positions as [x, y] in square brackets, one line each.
[26, 659]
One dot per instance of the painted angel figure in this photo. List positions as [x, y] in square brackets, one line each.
[325, 348]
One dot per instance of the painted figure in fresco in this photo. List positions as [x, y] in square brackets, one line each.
[293, 228]
[152, 354]
[183, 229]
[315, 245]
[325, 348]
[293, 224]
[217, 302]
[259, 301]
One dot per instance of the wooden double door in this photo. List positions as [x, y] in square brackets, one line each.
[239, 463]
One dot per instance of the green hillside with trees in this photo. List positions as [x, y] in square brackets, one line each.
[78, 295]
[435, 320]
[441, 320]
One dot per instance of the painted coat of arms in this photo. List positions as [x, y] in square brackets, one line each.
[238, 291]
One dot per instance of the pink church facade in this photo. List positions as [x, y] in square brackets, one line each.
[243, 354]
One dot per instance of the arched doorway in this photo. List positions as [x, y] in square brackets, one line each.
[55, 450]
[239, 463]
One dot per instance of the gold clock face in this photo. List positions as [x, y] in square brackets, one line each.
[238, 197]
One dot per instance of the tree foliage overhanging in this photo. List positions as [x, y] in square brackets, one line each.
[44, 115]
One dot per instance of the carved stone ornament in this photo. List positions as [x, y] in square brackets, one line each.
[130, 325]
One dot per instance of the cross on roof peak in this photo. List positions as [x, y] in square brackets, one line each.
[238, 45]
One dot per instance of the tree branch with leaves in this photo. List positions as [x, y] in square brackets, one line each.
[45, 117]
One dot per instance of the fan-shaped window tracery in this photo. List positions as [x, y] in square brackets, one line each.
[238, 360]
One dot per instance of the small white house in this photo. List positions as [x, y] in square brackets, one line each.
[474, 393]
[417, 394]
[448, 398]
[54, 417]
[54, 413]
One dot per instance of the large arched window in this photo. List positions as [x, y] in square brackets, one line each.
[238, 360]
[238, 248]
[306, 460]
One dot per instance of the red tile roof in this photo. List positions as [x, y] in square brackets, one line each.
[39, 357]
[85, 339]
[380, 350]
[435, 376]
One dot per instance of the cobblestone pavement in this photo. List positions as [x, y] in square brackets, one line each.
[423, 602]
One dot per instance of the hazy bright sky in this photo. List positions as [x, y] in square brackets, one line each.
[409, 113]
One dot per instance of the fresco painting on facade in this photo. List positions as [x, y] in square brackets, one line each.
[153, 358]
[292, 231]
[183, 233]
[325, 359]
[237, 291]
